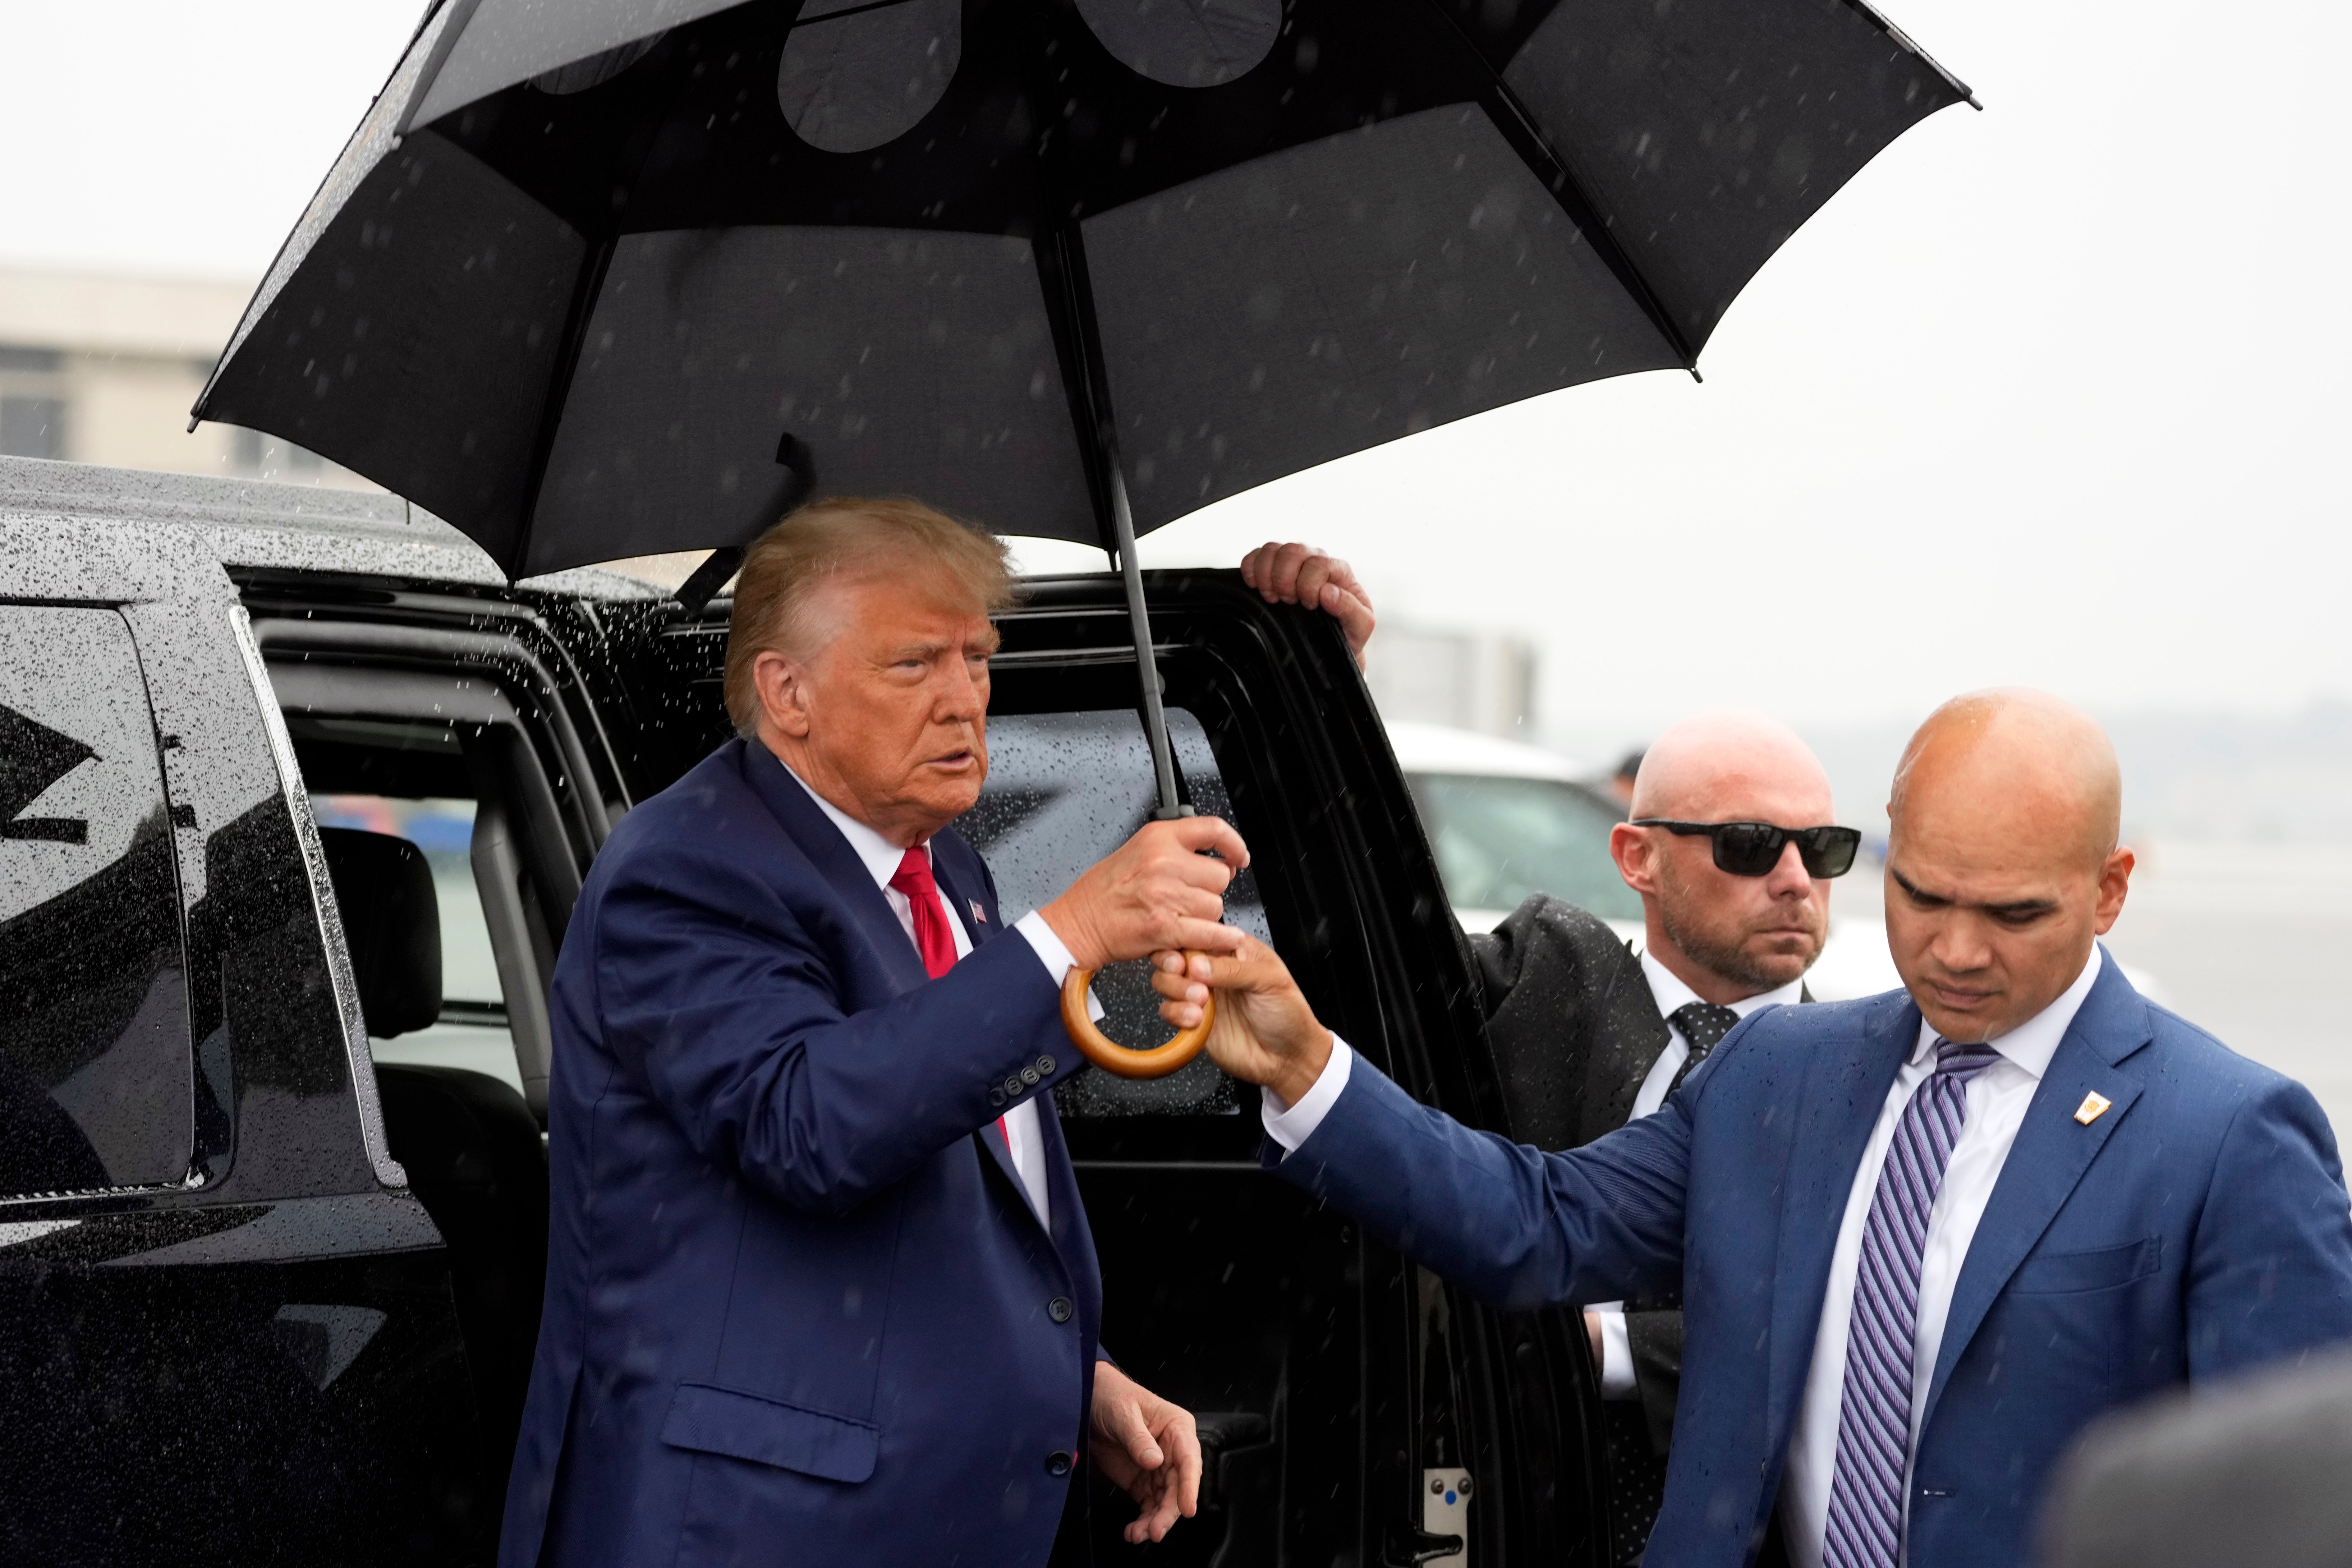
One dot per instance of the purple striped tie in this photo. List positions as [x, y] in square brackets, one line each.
[1874, 1446]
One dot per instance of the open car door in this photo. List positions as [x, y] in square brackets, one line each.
[1344, 1393]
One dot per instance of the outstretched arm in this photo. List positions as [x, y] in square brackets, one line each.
[1518, 1227]
[710, 983]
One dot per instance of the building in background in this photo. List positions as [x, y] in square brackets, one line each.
[102, 369]
[1483, 681]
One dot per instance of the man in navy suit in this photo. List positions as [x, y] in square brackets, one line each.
[1921, 1239]
[820, 1286]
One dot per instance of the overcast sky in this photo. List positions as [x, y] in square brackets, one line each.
[2048, 394]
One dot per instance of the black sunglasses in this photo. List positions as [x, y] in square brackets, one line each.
[1753, 849]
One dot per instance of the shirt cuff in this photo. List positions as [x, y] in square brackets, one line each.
[1616, 1352]
[1054, 955]
[1292, 1125]
[1050, 952]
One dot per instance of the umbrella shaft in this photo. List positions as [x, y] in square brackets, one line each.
[1146, 668]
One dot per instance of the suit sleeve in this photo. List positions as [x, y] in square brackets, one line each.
[2269, 1273]
[705, 980]
[1518, 1227]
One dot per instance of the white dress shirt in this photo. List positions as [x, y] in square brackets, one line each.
[1669, 991]
[1997, 1097]
[881, 859]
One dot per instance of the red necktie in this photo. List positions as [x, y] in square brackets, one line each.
[913, 883]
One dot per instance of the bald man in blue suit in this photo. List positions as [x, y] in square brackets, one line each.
[1921, 1239]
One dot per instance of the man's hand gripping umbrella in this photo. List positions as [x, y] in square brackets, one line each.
[1119, 907]
[1264, 1033]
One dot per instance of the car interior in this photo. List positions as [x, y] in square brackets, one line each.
[388, 717]
[471, 1145]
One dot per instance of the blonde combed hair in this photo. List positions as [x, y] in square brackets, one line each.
[845, 535]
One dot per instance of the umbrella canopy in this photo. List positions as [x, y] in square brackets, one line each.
[612, 277]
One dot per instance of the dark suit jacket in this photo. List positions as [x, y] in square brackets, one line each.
[797, 1307]
[2197, 1227]
[1575, 1029]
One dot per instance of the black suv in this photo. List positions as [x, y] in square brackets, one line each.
[273, 1199]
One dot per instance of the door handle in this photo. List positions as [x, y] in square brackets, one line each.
[1409, 1545]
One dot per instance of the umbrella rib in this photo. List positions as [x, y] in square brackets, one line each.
[584, 291]
[1061, 259]
[1536, 151]
[805, 19]
[461, 14]
[1886, 24]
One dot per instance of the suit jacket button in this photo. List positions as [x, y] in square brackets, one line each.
[995, 1095]
[1058, 1463]
[1029, 1076]
[1045, 1067]
[1059, 1309]
[1013, 1086]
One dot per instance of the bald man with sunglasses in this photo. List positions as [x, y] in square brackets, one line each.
[1731, 847]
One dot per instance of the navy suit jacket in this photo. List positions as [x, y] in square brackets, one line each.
[2199, 1226]
[798, 1308]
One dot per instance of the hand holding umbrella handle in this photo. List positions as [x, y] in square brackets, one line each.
[1108, 1055]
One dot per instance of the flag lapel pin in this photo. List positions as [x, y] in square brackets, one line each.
[980, 916]
[2095, 1105]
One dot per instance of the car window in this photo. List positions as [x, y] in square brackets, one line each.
[1064, 790]
[472, 1031]
[1499, 840]
[96, 1074]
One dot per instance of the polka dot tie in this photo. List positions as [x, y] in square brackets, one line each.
[1703, 1027]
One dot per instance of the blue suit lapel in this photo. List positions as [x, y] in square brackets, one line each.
[2051, 1151]
[966, 900]
[1844, 1091]
[836, 862]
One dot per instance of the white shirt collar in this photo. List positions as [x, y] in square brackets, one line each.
[2032, 1044]
[880, 858]
[1671, 993]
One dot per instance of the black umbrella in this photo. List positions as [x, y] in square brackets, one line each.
[626, 276]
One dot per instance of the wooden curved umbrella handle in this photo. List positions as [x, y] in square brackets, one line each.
[1113, 1057]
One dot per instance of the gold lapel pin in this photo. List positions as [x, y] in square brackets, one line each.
[2094, 1106]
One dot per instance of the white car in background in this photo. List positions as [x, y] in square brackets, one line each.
[1508, 820]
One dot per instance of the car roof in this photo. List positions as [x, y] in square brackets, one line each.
[1435, 749]
[302, 528]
